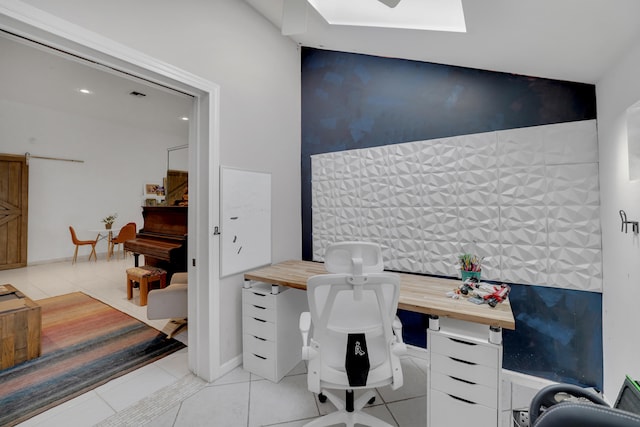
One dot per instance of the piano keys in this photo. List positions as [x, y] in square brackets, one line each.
[162, 239]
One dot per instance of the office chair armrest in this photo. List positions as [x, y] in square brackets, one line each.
[308, 352]
[397, 329]
[398, 346]
[305, 325]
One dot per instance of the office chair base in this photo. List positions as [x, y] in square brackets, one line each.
[341, 416]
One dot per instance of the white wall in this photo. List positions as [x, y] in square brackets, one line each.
[258, 71]
[618, 90]
[117, 160]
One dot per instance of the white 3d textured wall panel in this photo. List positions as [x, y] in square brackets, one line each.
[526, 199]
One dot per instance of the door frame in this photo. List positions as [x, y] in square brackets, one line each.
[204, 161]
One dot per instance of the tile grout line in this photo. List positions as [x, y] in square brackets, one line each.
[156, 404]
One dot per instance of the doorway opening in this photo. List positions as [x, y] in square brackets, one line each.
[33, 24]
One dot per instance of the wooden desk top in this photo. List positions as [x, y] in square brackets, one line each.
[421, 294]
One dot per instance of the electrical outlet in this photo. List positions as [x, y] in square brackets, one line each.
[521, 418]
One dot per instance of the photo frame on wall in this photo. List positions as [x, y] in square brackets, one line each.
[153, 190]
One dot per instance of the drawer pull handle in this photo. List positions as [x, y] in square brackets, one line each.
[258, 338]
[260, 307]
[462, 381]
[260, 357]
[260, 320]
[466, 362]
[259, 295]
[462, 342]
[462, 400]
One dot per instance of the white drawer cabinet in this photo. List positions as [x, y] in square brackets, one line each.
[271, 340]
[463, 384]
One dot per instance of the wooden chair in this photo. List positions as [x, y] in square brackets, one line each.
[79, 243]
[127, 232]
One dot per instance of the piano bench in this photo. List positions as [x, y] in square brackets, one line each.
[144, 276]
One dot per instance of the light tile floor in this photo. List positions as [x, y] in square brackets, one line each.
[165, 393]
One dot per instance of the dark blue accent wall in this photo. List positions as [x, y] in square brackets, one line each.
[352, 101]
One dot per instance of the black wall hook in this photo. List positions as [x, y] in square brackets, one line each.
[634, 224]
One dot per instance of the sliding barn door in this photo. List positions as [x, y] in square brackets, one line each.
[14, 192]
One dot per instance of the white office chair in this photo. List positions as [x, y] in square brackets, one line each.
[356, 340]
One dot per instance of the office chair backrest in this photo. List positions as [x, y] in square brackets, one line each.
[349, 304]
[574, 414]
[339, 258]
[590, 411]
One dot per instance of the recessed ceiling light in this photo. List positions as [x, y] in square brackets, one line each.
[85, 91]
[435, 15]
[184, 118]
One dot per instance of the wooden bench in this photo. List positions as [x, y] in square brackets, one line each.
[144, 276]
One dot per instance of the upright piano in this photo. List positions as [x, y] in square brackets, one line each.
[162, 239]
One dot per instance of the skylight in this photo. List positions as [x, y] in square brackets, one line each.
[434, 15]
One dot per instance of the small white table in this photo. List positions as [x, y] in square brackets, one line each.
[104, 233]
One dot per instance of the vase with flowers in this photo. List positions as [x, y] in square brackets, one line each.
[470, 266]
[109, 220]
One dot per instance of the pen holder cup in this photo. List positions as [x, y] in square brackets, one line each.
[468, 274]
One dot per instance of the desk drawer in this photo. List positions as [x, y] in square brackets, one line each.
[258, 346]
[469, 371]
[466, 350]
[446, 410]
[259, 328]
[259, 312]
[259, 365]
[259, 297]
[462, 389]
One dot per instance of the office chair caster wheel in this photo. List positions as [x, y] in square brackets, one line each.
[373, 399]
[557, 393]
[322, 398]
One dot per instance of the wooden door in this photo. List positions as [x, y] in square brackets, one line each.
[14, 196]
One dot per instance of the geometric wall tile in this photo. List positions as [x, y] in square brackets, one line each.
[491, 259]
[479, 224]
[405, 190]
[405, 254]
[348, 166]
[522, 186]
[439, 224]
[575, 184]
[441, 257]
[523, 225]
[403, 159]
[374, 162]
[477, 152]
[524, 264]
[575, 226]
[577, 141]
[520, 147]
[405, 222]
[477, 187]
[347, 223]
[373, 192]
[439, 189]
[375, 223]
[437, 155]
[526, 200]
[575, 268]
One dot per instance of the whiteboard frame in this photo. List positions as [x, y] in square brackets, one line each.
[245, 240]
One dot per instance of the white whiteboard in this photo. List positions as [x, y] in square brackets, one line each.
[246, 220]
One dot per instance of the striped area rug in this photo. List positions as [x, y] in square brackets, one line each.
[85, 343]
